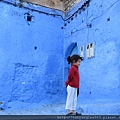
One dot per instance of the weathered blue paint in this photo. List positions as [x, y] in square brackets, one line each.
[100, 75]
[31, 67]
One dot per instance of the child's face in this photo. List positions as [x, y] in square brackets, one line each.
[77, 63]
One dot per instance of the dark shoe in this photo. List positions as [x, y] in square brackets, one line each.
[78, 114]
[69, 114]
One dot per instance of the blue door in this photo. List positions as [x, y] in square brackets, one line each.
[74, 51]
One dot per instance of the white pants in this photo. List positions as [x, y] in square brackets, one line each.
[71, 98]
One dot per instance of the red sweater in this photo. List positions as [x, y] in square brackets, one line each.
[73, 77]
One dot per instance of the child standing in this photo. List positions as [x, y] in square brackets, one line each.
[72, 84]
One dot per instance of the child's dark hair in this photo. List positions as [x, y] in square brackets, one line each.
[74, 57]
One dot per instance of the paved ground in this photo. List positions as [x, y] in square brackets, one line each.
[33, 109]
[21, 108]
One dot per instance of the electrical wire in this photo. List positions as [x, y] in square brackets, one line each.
[21, 6]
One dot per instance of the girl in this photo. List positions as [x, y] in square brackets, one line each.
[72, 84]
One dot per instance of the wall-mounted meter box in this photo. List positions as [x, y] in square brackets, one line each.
[82, 51]
[90, 50]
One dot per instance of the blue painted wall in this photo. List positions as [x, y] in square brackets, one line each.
[31, 67]
[100, 75]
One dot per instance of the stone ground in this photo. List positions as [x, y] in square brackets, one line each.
[17, 108]
[21, 108]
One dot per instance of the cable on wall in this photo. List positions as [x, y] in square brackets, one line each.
[82, 8]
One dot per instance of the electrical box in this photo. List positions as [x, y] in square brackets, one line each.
[90, 50]
[82, 51]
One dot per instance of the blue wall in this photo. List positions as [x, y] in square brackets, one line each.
[100, 75]
[31, 67]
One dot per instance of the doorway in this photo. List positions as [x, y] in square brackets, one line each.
[72, 49]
